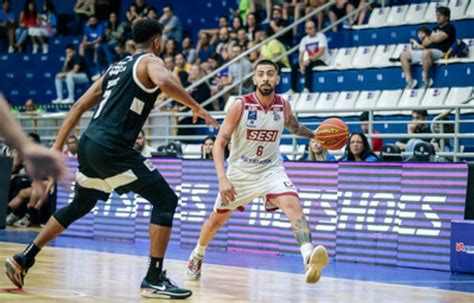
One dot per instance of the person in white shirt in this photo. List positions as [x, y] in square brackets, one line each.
[71, 147]
[313, 51]
[142, 147]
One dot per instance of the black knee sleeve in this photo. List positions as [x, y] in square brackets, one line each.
[164, 202]
[83, 202]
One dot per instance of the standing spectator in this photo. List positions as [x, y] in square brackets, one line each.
[74, 72]
[93, 34]
[418, 126]
[204, 49]
[140, 145]
[206, 148]
[432, 48]
[7, 25]
[83, 9]
[313, 51]
[188, 51]
[71, 147]
[28, 19]
[45, 29]
[377, 143]
[278, 23]
[112, 37]
[316, 152]
[272, 49]
[223, 48]
[237, 71]
[359, 150]
[171, 25]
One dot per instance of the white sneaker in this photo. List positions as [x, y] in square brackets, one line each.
[305, 91]
[11, 218]
[67, 101]
[57, 101]
[35, 48]
[11, 49]
[316, 262]
[193, 268]
[45, 48]
[412, 85]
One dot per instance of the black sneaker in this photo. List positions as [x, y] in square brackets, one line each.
[17, 268]
[163, 288]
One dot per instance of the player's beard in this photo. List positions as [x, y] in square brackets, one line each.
[267, 90]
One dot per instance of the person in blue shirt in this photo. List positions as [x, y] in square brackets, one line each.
[358, 149]
[7, 25]
[94, 32]
[316, 152]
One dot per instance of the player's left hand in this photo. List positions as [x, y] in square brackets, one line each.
[41, 163]
[202, 113]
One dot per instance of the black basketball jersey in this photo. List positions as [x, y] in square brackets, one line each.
[125, 106]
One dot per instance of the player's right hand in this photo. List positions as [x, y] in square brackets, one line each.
[227, 191]
[42, 163]
[202, 113]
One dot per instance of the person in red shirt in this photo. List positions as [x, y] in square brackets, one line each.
[28, 18]
[364, 124]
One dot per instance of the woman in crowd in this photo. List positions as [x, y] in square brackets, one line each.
[316, 152]
[359, 150]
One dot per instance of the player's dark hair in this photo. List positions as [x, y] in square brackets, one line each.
[145, 29]
[268, 62]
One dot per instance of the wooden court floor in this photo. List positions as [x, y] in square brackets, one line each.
[73, 275]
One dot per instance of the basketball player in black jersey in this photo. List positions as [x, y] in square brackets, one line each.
[125, 95]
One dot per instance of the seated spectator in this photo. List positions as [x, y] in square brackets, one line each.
[71, 147]
[295, 7]
[252, 26]
[244, 9]
[140, 145]
[255, 54]
[432, 47]
[214, 32]
[171, 25]
[45, 29]
[93, 34]
[188, 51]
[312, 5]
[342, 8]
[377, 143]
[201, 92]
[217, 83]
[237, 24]
[313, 51]
[28, 19]
[418, 126]
[225, 43]
[83, 10]
[277, 24]
[358, 149]
[443, 126]
[241, 38]
[204, 49]
[31, 108]
[316, 152]
[237, 71]
[272, 49]
[140, 8]
[206, 148]
[7, 25]
[130, 47]
[152, 14]
[181, 68]
[74, 72]
[113, 36]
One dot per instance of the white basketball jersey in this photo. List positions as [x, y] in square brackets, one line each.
[255, 143]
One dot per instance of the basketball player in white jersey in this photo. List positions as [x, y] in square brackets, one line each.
[254, 125]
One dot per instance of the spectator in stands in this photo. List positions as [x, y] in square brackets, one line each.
[295, 7]
[113, 36]
[169, 48]
[272, 49]
[252, 26]
[278, 23]
[418, 126]
[204, 49]
[31, 108]
[377, 143]
[214, 32]
[312, 5]
[152, 14]
[206, 148]
[181, 64]
[345, 7]
[28, 19]
[169, 62]
[188, 51]
[225, 43]
[140, 145]
[130, 47]
[316, 152]
[83, 9]
[7, 25]
[140, 8]
[201, 92]
[237, 24]
[237, 71]
[244, 9]
[241, 38]
[45, 29]
[358, 149]
[171, 25]
[71, 147]
[255, 54]
[93, 34]
[74, 72]
[433, 46]
[443, 126]
[120, 52]
[313, 51]
[213, 63]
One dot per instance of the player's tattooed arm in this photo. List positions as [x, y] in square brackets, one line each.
[296, 128]
[302, 231]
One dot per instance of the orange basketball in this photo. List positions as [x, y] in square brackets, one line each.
[332, 133]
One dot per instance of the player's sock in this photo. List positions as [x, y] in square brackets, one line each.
[155, 267]
[306, 250]
[200, 250]
[30, 253]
